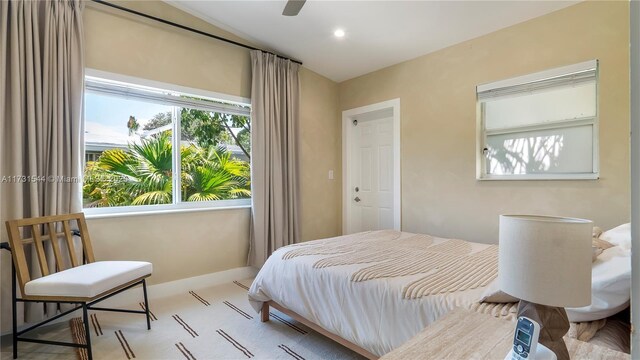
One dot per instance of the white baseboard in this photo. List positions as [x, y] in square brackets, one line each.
[180, 286]
[134, 296]
[199, 282]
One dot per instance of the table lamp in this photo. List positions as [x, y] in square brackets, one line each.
[546, 262]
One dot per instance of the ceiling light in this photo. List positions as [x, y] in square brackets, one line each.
[338, 33]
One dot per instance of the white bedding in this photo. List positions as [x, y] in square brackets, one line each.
[610, 286]
[371, 314]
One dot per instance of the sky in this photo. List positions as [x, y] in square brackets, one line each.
[106, 117]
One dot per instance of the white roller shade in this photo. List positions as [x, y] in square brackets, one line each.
[543, 106]
[162, 97]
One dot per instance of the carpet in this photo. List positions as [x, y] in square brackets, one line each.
[210, 323]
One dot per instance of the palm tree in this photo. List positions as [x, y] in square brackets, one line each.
[212, 174]
[133, 125]
[142, 175]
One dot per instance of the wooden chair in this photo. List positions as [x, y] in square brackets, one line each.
[82, 282]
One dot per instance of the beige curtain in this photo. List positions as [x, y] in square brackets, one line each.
[275, 102]
[41, 109]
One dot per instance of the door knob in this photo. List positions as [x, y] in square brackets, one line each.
[357, 199]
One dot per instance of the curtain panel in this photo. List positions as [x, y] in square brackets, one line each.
[41, 110]
[275, 102]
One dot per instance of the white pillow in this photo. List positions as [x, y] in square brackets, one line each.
[610, 285]
[620, 236]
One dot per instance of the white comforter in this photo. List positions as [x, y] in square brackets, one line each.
[371, 314]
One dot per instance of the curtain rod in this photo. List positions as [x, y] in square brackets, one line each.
[183, 27]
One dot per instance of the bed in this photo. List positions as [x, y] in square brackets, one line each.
[373, 291]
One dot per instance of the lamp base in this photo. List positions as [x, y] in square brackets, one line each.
[554, 324]
[542, 353]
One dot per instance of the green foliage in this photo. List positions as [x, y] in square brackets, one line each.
[142, 174]
[215, 175]
[244, 140]
[207, 128]
[201, 127]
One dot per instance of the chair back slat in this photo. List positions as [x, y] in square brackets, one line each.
[67, 235]
[42, 258]
[19, 231]
[53, 236]
[42, 237]
[86, 241]
[18, 255]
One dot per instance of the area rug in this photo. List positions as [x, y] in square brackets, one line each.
[211, 323]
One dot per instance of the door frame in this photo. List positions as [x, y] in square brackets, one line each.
[347, 131]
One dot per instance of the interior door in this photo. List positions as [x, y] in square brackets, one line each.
[372, 203]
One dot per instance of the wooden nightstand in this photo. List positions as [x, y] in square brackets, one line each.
[463, 334]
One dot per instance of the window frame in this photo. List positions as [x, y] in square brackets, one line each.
[482, 132]
[177, 205]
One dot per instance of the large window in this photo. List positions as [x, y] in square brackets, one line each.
[540, 126]
[138, 139]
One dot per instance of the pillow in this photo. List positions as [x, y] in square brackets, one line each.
[598, 246]
[596, 232]
[610, 286]
[620, 236]
[601, 244]
[595, 252]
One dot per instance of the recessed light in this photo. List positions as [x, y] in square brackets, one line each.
[338, 33]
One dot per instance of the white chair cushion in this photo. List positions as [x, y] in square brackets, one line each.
[88, 280]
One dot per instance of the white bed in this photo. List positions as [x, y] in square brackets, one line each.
[374, 314]
[371, 314]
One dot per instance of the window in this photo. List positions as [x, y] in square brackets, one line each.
[540, 126]
[138, 138]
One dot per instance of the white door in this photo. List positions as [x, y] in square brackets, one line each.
[372, 175]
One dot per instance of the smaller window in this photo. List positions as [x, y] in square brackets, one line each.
[540, 126]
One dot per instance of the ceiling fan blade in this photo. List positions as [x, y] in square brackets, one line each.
[293, 7]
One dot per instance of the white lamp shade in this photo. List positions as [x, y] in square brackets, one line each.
[546, 260]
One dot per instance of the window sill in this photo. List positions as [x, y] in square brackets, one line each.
[114, 213]
[532, 177]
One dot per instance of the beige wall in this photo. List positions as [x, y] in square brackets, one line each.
[188, 244]
[440, 194]
[131, 45]
[180, 245]
[320, 149]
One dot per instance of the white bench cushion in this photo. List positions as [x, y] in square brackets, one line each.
[88, 280]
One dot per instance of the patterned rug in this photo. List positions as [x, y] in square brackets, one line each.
[210, 323]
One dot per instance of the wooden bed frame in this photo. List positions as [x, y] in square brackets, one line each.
[264, 317]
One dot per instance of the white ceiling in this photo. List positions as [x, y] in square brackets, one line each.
[378, 33]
